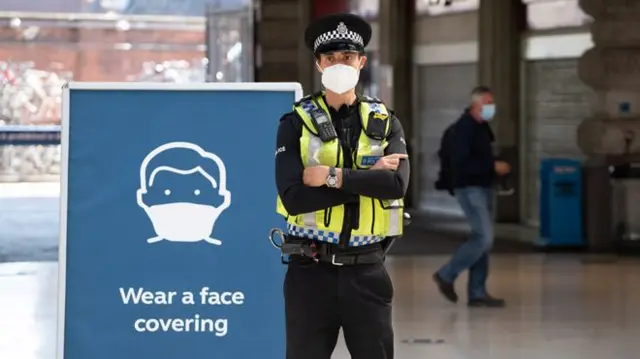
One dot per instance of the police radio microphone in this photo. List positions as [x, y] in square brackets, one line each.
[324, 126]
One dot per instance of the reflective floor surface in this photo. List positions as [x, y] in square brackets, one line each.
[560, 306]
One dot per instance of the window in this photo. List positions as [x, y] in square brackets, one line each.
[542, 15]
[370, 8]
[365, 8]
[440, 7]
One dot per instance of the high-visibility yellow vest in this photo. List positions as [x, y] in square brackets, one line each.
[378, 218]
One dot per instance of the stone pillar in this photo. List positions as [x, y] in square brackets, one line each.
[612, 135]
[500, 27]
[397, 20]
[281, 55]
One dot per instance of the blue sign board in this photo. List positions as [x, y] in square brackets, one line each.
[168, 196]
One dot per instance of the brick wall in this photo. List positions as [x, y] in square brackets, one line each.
[90, 53]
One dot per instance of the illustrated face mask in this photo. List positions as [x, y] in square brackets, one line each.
[184, 222]
[488, 111]
[340, 78]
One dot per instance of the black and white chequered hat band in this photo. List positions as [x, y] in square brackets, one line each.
[340, 33]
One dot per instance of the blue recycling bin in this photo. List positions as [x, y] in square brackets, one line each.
[561, 203]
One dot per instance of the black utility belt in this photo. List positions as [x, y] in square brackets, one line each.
[306, 250]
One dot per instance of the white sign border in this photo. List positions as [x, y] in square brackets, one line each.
[294, 87]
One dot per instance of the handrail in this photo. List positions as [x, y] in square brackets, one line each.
[16, 135]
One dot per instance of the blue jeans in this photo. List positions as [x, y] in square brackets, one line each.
[477, 205]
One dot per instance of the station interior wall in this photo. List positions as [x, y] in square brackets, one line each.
[553, 99]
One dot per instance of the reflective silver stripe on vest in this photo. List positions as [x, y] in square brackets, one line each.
[330, 237]
[394, 213]
[376, 147]
[309, 219]
[394, 218]
[313, 151]
[315, 143]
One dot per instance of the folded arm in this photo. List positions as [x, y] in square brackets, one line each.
[382, 184]
[296, 197]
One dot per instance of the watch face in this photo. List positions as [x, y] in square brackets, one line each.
[331, 181]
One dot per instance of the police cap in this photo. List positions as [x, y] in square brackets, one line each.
[338, 32]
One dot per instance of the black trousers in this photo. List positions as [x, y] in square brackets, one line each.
[320, 298]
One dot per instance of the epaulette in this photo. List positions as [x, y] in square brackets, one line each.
[370, 99]
[377, 100]
[308, 97]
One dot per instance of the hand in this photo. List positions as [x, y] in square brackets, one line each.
[315, 176]
[502, 168]
[390, 162]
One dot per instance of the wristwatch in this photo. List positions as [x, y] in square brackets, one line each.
[332, 178]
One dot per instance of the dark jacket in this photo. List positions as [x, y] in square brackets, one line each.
[472, 159]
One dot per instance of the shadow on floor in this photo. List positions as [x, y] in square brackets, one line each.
[438, 234]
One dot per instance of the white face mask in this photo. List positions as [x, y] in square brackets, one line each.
[184, 222]
[340, 78]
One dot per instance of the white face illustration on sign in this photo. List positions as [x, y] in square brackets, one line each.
[183, 191]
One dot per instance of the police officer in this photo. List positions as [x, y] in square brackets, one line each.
[342, 172]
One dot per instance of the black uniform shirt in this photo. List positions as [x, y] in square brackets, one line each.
[298, 198]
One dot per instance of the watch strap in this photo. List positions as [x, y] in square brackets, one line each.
[332, 178]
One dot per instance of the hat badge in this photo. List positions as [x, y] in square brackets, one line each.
[342, 28]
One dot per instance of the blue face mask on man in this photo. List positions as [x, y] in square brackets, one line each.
[488, 111]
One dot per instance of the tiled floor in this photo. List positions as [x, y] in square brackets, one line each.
[559, 307]
[28, 300]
